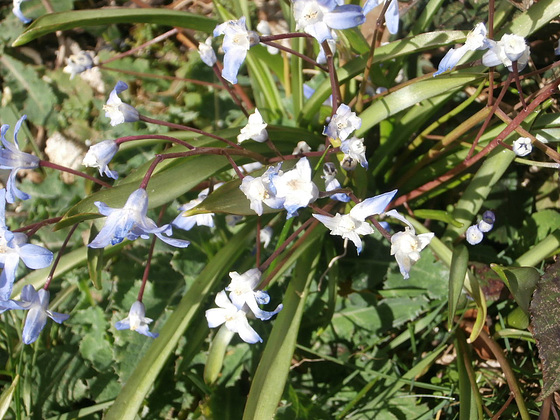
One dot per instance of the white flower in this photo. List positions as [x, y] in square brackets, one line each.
[237, 41]
[117, 110]
[234, 318]
[264, 28]
[354, 149]
[17, 11]
[331, 183]
[342, 124]
[301, 147]
[206, 52]
[406, 246]
[319, 17]
[522, 146]
[99, 155]
[296, 188]
[242, 292]
[266, 236]
[507, 50]
[254, 130]
[473, 235]
[136, 321]
[351, 226]
[261, 190]
[476, 40]
[484, 226]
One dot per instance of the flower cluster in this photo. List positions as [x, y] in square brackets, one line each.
[244, 298]
[291, 190]
[475, 233]
[510, 48]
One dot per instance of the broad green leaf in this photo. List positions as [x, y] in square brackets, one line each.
[130, 399]
[521, 282]
[545, 319]
[538, 15]
[6, 397]
[442, 215]
[270, 378]
[216, 354]
[79, 18]
[411, 95]
[163, 187]
[457, 273]
[95, 260]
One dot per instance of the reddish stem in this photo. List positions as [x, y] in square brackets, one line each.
[47, 164]
[58, 256]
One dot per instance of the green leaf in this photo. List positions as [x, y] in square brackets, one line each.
[545, 318]
[457, 273]
[442, 215]
[521, 282]
[79, 18]
[411, 95]
[6, 397]
[94, 260]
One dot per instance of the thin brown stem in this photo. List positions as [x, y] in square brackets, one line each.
[47, 164]
[149, 260]
[187, 128]
[518, 83]
[157, 39]
[335, 86]
[126, 139]
[57, 260]
[234, 91]
[294, 52]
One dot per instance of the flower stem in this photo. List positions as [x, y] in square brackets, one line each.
[233, 92]
[47, 164]
[187, 128]
[58, 256]
[335, 86]
[149, 260]
[294, 52]
[126, 139]
[34, 227]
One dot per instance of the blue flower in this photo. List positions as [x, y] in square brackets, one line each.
[13, 247]
[99, 155]
[117, 110]
[131, 222]
[136, 321]
[237, 41]
[13, 158]
[331, 183]
[37, 304]
[318, 17]
[391, 15]
[17, 11]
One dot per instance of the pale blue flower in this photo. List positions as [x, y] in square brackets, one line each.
[37, 304]
[352, 225]
[474, 235]
[557, 49]
[523, 146]
[296, 188]
[354, 150]
[242, 292]
[406, 245]
[188, 222]
[99, 155]
[206, 52]
[13, 158]
[234, 318]
[391, 15]
[261, 189]
[476, 40]
[131, 222]
[331, 183]
[13, 247]
[319, 17]
[342, 124]
[136, 321]
[117, 110]
[508, 49]
[237, 41]
[17, 11]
